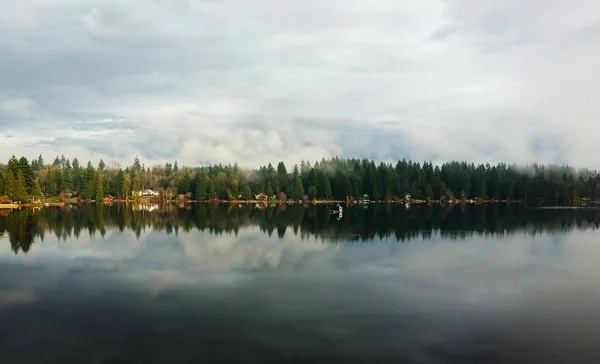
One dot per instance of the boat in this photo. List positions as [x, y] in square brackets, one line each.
[338, 211]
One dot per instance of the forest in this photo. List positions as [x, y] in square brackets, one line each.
[329, 179]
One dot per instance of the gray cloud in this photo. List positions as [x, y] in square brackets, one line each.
[223, 82]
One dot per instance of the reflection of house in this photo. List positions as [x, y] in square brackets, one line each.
[145, 193]
[261, 197]
[144, 207]
[109, 199]
[365, 198]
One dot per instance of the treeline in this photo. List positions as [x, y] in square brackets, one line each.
[380, 221]
[335, 178]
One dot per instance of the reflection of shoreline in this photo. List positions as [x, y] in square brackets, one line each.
[144, 207]
[359, 223]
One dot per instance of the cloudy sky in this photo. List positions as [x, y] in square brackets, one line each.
[205, 81]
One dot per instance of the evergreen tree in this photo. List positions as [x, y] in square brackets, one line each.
[312, 192]
[9, 185]
[120, 183]
[20, 189]
[28, 175]
[89, 189]
[67, 178]
[76, 182]
[13, 165]
[347, 187]
[298, 189]
[428, 192]
[36, 190]
[137, 166]
[99, 187]
[246, 192]
[326, 187]
[201, 188]
[270, 192]
[282, 178]
[212, 190]
[137, 183]
[2, 178]
[101, 165]
[312, 183]
[52, 185]
[126, 190]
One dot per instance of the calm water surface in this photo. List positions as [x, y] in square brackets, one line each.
[123, 284]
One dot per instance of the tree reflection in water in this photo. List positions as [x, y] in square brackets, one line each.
[379, 221]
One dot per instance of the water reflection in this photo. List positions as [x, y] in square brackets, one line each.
[377, 222]
[230, 284]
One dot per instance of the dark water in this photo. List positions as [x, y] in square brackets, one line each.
[495, 284]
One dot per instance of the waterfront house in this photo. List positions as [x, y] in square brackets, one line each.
[261, 197]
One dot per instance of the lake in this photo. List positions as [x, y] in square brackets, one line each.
[229, 283]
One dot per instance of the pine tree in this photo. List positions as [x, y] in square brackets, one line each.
[282, 177]
[428, 191]
[9, 185]
[246, 192]
[20, 189]
[119, 182]
[298, 189]
[375, 195]
[137, 166]
[212, 190]
[36, 190]
[323, 185]
[52, 184]
[137, 183]
[327, 188]
[76, 183]
[347, 187]
[270, 192]
[312, 192]
[13, 165]
[99, 187]
[28, 175]
[126, 190]
[89, 189]
[67, 179]
[2, 178]
[201, 191]
[101, 165]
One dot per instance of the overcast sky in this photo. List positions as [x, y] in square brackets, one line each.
[219, 81]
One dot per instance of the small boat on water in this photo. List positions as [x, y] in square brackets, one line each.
[338, 211]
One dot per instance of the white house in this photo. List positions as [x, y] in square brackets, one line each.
[145, 193]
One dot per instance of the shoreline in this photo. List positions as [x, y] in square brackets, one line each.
[290, 202]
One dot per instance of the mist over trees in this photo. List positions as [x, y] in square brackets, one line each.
[335, 178]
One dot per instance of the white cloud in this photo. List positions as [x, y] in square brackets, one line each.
[205, 81]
